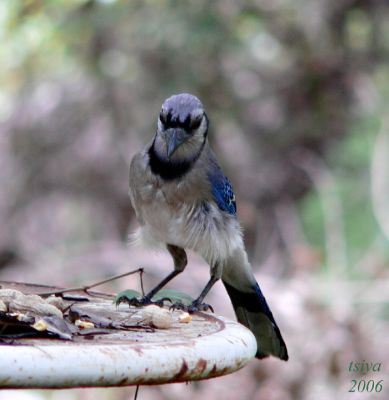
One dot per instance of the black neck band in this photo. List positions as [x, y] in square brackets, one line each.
[170, 170]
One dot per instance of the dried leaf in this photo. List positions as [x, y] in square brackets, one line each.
[56, 302]
[58, 327]
[17, 302]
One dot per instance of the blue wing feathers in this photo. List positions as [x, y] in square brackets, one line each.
[222, 192]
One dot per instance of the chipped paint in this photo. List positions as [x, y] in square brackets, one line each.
[59, 366]
[207, 347]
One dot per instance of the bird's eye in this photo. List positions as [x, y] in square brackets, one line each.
[195, 122]
[163, 117]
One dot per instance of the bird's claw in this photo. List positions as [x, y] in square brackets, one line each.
[200, 307]
[142, 301]
[194, 307]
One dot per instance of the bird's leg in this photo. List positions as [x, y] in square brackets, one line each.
[180, 262]
[198, 305]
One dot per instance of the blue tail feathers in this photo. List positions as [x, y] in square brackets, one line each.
[253, 311]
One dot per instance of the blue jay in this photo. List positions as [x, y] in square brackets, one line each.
[183, 200]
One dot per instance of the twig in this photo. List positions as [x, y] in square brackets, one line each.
[88, 287]
[141, 272]
[136, 392]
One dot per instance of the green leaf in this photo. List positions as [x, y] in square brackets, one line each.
[174, 296]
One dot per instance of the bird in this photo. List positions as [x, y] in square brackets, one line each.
[183, 200]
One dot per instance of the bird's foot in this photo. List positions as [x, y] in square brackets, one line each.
[141, 301]
[193, 307]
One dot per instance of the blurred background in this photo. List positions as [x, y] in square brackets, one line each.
[297, 95]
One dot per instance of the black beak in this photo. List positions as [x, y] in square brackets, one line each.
[173, 141]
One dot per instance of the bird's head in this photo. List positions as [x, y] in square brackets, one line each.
[182, 128]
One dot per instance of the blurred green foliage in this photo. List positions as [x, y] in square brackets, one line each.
[349, 162]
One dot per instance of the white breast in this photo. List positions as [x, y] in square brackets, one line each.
[207, 231]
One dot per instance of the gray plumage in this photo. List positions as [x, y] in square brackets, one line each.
[182, 200]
